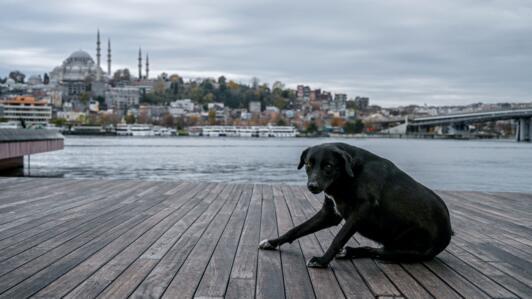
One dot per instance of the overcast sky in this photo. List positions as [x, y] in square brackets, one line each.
[395, 52]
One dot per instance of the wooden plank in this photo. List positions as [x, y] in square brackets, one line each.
[430, 282]
[122, 273]
[80, 273]
[155, 284]
[503, 279]
[53, 233]
[296, 277]
[189, 275]
[455, 281]
[243, 277]
[493, 289]
[216, 275]
[60, 260]
[270, 282]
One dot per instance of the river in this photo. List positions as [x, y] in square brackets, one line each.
[439, 164]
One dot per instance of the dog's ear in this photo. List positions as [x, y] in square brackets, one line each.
[349, 162]
[303, 157]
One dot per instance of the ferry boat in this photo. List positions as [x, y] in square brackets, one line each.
[243, 131]
[134, 130]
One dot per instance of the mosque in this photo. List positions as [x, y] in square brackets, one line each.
[79, 74]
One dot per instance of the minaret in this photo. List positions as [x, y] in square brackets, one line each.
[98, 75]
[109, 57]
[140, 64]
[147, 66]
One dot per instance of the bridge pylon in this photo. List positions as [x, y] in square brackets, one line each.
[524, 130]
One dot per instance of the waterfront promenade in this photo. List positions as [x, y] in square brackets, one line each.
[117, 238]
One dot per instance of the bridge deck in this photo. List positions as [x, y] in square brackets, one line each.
[94, 238]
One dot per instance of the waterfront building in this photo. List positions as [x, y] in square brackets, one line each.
[122, 98]
[71, 115]
[27, 110]
[254, 107]
[361, 103]
[181, 107]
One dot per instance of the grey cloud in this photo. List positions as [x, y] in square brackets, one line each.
[395, 52]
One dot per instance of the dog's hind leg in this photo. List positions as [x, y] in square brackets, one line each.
[405, 256]
[326, 217]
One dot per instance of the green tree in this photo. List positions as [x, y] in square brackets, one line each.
[312, 128]
[84, 98]
[59, 122]
[354, 127]
[130, 119]
[212, 117]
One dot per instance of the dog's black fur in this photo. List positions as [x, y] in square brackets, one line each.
[377, 200]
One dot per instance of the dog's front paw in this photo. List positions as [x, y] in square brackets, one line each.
[342, 255]
[266, 244]
[317, 262]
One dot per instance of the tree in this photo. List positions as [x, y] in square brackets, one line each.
[354, 127]
[59, 122]
[130, 119]
[168, 120]
[337, 122]
[158, 87]
[212, 117]
[312, 128]
[281, 122]
[122, 75]
[18, 76]
[143, 118]
[46, 79]
[278, 85]
[84, 98]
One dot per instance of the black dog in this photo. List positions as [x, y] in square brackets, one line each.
[376, 199]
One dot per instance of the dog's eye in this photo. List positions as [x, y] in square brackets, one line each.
[309, 165]
[328, 166]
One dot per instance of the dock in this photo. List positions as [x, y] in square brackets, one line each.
[17, 143]
[145, 239]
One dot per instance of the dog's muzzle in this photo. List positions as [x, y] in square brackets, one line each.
[314, 188]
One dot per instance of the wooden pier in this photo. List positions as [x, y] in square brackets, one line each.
[17, 143]
[116, 239]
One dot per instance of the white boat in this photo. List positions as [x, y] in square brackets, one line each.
[282, 131]
[123, 130]
[141, 130]
[244, 131]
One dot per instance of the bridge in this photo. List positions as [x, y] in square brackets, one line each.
[456, 123]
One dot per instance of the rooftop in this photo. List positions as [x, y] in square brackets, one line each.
[23, 100]
[114, 239]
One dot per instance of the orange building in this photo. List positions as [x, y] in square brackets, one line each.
[26, 109]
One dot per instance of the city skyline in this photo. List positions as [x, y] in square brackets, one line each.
[400, 53]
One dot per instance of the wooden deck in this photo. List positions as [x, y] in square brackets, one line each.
[114, 239]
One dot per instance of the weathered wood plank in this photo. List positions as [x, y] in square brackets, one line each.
[216, 275]
[187, 278]
[157, 281]
[243, 277]
[296, 278]
[76, 276]
[58, 261]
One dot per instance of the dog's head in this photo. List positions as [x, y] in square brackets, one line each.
[325, 164]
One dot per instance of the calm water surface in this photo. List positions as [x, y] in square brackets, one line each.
[439, 164]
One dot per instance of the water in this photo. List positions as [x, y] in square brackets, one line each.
[439, 164]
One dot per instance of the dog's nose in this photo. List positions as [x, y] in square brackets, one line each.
[313, 187]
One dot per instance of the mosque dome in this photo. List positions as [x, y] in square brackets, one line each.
[78, 66]
[80, 54]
